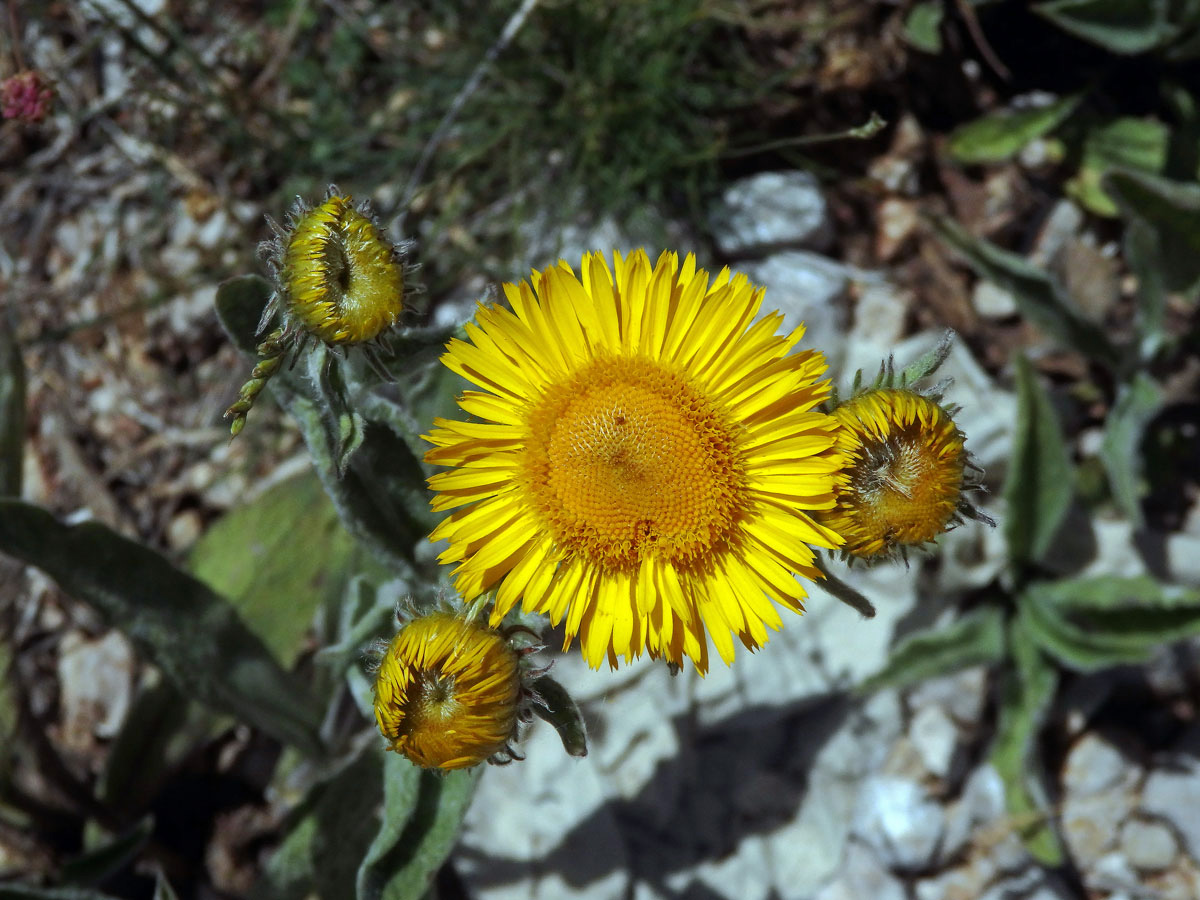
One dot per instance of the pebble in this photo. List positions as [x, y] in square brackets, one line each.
[899, 822]
[771, 210]
[1174, 795]
[96, 686]
[1150, 846]
[862, 877]
[935, 737]
[992, 301]
[1093, 765]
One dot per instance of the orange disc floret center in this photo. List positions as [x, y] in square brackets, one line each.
[907, 476]
[627, 459]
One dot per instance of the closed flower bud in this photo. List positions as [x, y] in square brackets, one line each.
[908, 476]
[449, 692]
[338, 280]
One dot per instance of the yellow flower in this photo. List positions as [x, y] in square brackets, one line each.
[338, 280]
[646, 462]
[906, 476]
[341, 279]
[447, 693]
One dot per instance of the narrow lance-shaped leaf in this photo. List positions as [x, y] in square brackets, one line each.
[1092, 623]
[1039, 486]
[189, 632]
[1039, 298]
[12, 414]
[1137, 403]
[975, 639]
[1001, 135]
[1027, 694]
[401, 786]
[1170, 210]
[1126, 27]
[405, 870]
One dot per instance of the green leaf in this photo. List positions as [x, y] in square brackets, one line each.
[240, 303]
[163, 889]
[1040, 298]
[1039, 483]
[1001, 135]
[401, 787]
[138, 758]
[1093, 623]
[926, 365]
[28, 892]
[1119, 144]
[12, 414]
[922, 26]
[106, 860]
[405, 869]
[975, 639]
[330, 832]
[278, 560]
[1137, 404]
[373, 477]
[1027, 693]
[189, 632]
[558, 708]
[1170, 211]
[1125, 27]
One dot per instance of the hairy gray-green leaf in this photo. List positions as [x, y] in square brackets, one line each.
[12, 414]
[1120, 144]
[1039, 297]
[1126, 27]
[1039, 486]
[405, 869]
[1001, 135]
[928, 364]
[558, 708]
[1137, 403]
[401, 786]
[329, 833]
[188, 631]
[1171, 211]
[975, 639]
[278, 560]
[1092, 623]
[1028, 691]
[922, 26]
[138, 759]
[104, 861]
[378, 488]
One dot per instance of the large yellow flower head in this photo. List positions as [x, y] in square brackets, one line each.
[448, 692]
[643, 462]
[906, 476]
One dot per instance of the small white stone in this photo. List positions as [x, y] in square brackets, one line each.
[935, 737]
[1093, 765]
[96, 683]
[992, 301]
[896, 819]
[861, 877]
[771, 210]
[1174, 794]
[1148, 845]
